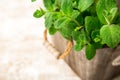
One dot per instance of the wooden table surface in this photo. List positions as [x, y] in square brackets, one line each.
[22, 54]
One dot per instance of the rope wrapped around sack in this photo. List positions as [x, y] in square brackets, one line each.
[116, 61]
[54, 51]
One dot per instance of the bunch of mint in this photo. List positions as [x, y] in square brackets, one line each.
[92, 24]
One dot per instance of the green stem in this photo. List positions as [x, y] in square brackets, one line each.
[108, 22]
[76, 22]
[80, 27]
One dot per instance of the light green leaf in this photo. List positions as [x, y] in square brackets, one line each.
[39, 13]
[110, 16]
[110, 35]
[105, 5]
[49, 4]
[57, 5]
[84, 4]
[50, 18]
[113, 13]
[75, 14]
[66, 7]
[66, 31]
[62, 22]
[90, 51]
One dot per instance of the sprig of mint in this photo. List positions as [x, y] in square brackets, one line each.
[90, 23]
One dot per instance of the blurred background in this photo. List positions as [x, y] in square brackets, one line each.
[22, 54]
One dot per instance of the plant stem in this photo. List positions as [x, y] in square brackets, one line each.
[76, 22]
[108, 22]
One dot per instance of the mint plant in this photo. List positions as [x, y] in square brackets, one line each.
[92, 24]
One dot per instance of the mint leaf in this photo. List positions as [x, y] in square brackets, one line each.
[97, 45]
[39, 13]
[52, 30]
[62, 22]
[75, 14]
[80, 38]
[96, 40]
[91, 24]
[105, 5]
[80, 19]
[49, 4]
[110, 35]
[110, 16]
[96, 36]
[113, 13]
[50, 18]
[90, 51]
[76, 35]
[66, 31]
[78, 46]
[74, 3]
[66, 7]
[84, 4]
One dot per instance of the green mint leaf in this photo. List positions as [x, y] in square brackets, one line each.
[80, 19]
[57, 3]
[97, 45]
[113, 13]
[49, 4]
[110, 16]
[52, 30]
[75, 14]
[79, 46]
[76, 35]
[62, 22]
[84, 4]
[90, 51]
[38, 13]
[96, 36]
[50, 18]
[96, 40]
[33, 0]
[92, 10]
[75, 4]
[66, 7]
[80, 37]
[91, 24]
[110, 35]
[105, 5]
[66, 31]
